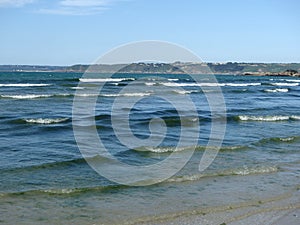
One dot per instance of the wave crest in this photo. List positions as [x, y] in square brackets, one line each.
[46, 120]
[268, 118]
[277, 90]
[101, 80]
[244, 171]
[25, 96]
[24, 85]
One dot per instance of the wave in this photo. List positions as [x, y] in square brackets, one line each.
[24, 85]
[56, 164]
[268, 118]
[230, 148]
[171, 84]
[277, 90]
[242, 84]
[288, 80]
[150, 83]
[170, 149]
[284, 84]
[44, 120]
[295, 117]
[138, 94]
[77, 88]
[90, 80]
[183, 92]
[65, 191]
[32, 96]
[173, 79]
[278, 140]
[86, 95]
[244, 171]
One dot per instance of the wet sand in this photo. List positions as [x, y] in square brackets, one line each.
[282, 210]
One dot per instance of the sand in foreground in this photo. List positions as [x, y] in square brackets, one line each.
[279, 211]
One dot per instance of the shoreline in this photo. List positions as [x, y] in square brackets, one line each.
[280, 210]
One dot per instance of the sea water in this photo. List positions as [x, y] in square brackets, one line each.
[45, 179]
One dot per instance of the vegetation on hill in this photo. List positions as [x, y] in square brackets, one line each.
[290, 69]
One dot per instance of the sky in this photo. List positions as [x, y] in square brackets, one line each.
[67, 32]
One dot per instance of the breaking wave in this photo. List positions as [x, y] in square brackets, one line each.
[268, 118]
[215, 84]
[25, 96]
[127, 95]
[46, 120]
[100, 80]
[24, 85]
[277, 90]
[284, 84]
[244, 171]
[170, 149]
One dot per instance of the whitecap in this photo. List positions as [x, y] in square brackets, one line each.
[263, 118]
[170, 84]
[295, 117]
[150, 83]
[46, 120]
[285, 84]
[277, 90]
[138, 94]
[86, 95]
[183, 92]
[292, 80]
[24, 85]
[32, 96]
[92, 80]
[173, 79]
[241, 84]
[77, 88]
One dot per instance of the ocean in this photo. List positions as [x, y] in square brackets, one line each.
[45, 178]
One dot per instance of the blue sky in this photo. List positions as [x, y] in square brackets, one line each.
[66, 32]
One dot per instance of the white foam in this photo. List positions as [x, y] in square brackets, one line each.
[24, 85]
[287, 139]
[163, 149]
[25, 96]
[77, 88]
[86, 95]
[244, 171]
[184, 92]
[277, 90]
[264, 118]
[242, 84]
[61, 191]
[295, 117]
[292, 80]
[171, 84]
[92, 80]
[150, 83]
[127, 95]
[259, 170]
[171, 79]
[46, 120]
[285, 84]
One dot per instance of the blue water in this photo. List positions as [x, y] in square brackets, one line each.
[42, 167]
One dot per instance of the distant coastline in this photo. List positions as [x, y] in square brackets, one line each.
[253, 69]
